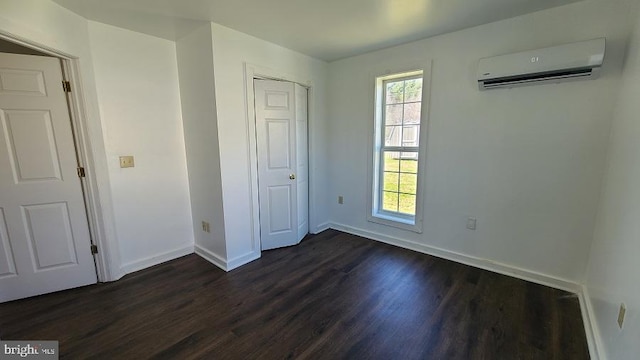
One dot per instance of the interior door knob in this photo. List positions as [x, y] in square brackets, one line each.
[292, 176]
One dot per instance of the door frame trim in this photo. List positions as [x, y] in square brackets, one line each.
[76, 102]
[251, 72]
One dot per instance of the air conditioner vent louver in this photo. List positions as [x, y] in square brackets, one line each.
[520, 80]
[575, 61]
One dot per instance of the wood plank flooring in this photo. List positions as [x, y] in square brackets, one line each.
[334, 296]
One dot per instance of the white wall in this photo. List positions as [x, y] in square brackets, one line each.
[526, 162]
[197, 90]
[613, 275]
[232, 50]
[139, 100]
[48, 25]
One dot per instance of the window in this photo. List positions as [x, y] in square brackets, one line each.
[397, 151]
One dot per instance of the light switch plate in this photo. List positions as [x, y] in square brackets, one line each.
[126, 161]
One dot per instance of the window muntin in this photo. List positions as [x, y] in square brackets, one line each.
[400, 107]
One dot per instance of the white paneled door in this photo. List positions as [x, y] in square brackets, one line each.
[281, 132]
[44, 237]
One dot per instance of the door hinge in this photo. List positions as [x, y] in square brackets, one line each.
[94, 249]
[66, 86]
[81, 172]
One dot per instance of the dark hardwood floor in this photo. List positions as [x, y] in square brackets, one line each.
[335, 296]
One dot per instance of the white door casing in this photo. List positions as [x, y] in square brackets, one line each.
[280, 185]
[302, 155]
[44, 236]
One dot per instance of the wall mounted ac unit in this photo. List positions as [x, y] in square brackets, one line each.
[576, 61]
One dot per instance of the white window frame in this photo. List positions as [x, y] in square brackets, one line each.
[375, 213]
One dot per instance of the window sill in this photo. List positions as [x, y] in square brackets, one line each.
[396, 221]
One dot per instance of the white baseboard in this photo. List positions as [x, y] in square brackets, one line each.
[243, 259]
[155, 259]
[115, 276]
[477, 262]
[223, 264]
[320, 228]
[211, 257]
[594, 340]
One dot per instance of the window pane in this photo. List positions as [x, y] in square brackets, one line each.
[391, 161]
[390, 201]
[408, 183]
[413, 90]
[410, 135]
[393, 92]
[391, 181]
[407, 204]
[393, 115]
[412, 113]
[392, 135]
[409, 165]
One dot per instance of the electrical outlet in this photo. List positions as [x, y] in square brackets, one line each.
[206, 227]
[621, 313]
[340, 200]
[471, 223]
[126, 161]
